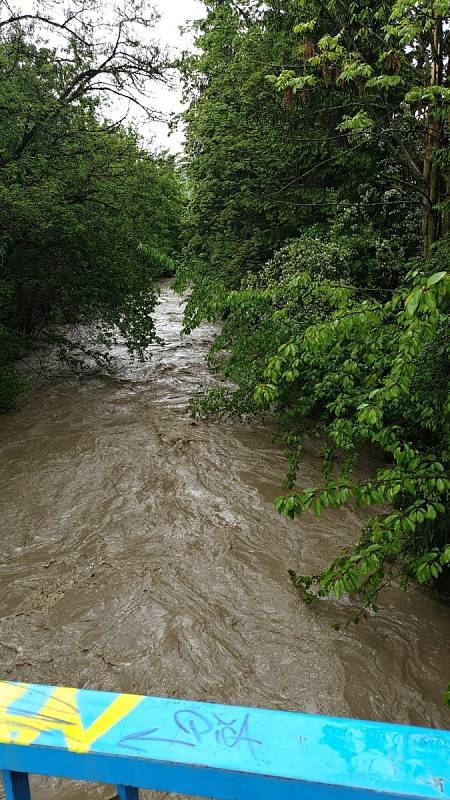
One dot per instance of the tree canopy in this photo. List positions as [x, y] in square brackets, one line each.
[89, 216]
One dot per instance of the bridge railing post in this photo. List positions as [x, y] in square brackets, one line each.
[16, 785]
[127, 793]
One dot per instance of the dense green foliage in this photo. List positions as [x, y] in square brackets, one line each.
[319, 168]
[305, 346]
[252, 154]
[89, 217]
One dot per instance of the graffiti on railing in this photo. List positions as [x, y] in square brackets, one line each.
[28, 712]
[194, 729]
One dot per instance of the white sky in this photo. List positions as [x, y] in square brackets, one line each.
[174, 13]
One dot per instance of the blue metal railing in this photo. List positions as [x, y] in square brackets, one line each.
[211, 750]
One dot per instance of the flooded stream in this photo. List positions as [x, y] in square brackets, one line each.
[141, 553]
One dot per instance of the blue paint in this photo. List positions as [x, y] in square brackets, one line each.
[234, 753]
[16, 785]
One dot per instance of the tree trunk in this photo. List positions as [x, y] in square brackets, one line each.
[431, 169]
[446, 214]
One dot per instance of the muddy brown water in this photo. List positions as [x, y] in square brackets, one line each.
[141, 553]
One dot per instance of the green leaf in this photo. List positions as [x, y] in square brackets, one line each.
[413, 301]
[438, 276]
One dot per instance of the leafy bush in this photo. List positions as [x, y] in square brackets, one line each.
[301, 342]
